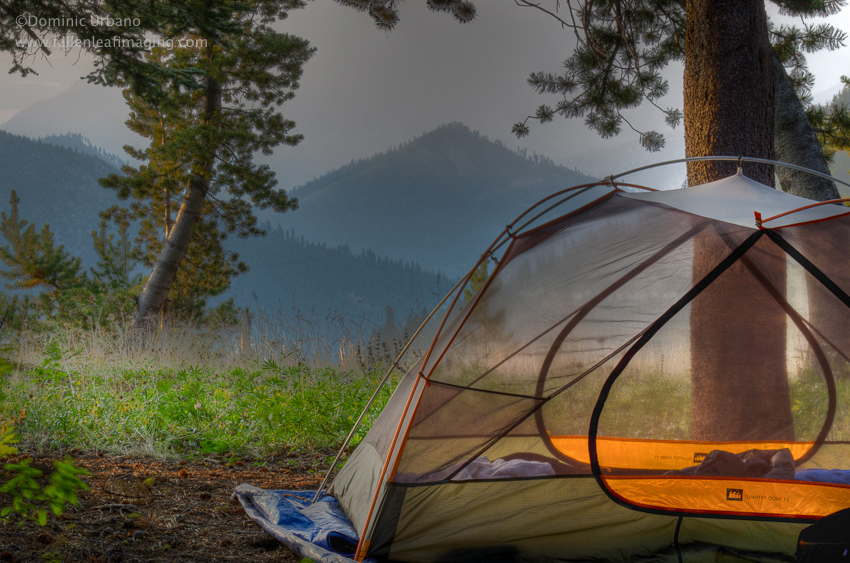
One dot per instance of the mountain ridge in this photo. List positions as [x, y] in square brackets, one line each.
[55, 185]
[58, 186]
[438, 199]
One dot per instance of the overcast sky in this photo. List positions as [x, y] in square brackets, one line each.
[366, 90]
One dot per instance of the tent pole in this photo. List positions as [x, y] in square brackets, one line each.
[544, 212]
[732, 158]
[379, 387]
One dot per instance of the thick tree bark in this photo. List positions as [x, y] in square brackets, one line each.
[795, 143]
[155, 293]
[728, 88]
[738, 363]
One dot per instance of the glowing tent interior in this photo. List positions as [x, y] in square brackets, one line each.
[644, 374]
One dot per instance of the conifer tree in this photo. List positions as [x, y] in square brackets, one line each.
[476, 281]
[831, 122]
[200, 160]
[34, 261]
[624, 46]
[33, 258]
[118, 34]
[116, 258]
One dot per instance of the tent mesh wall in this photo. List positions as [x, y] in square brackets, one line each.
[538, 334]
[684, 428]
[610, 344]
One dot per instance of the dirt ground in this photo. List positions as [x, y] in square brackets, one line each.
[184, 514]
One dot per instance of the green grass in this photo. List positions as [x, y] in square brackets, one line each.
[181, 392]
[255, 410]
[809, 404]
[661, 408]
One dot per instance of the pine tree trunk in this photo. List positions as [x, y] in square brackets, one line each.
[155, 293]
[728, 88]
[738, 363]
[795, 143]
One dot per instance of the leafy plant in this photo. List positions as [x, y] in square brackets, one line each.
[7, 438]
[30, 501]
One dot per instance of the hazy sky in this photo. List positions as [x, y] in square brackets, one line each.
[366, 90]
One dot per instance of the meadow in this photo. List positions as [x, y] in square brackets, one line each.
[185, 391]
[188, 391]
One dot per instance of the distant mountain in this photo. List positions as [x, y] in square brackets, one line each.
[95, 112]
[58, 186]
[80, 144]
[439, 199]
[842, 97]
[289, 272]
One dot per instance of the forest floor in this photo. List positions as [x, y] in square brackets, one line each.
[143, 510]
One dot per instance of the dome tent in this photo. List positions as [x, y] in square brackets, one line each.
[577, 408]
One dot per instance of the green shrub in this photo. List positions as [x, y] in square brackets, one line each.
[7, 438]
[30, 500]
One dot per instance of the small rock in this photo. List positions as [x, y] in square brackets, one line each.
[139, 535]
[112, 519]
[107, 532]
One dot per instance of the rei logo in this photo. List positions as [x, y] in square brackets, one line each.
[734, 494]
[699, 457]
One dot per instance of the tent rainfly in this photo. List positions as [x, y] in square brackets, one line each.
[651, 376]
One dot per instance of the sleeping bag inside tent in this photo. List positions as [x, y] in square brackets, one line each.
[650, 375]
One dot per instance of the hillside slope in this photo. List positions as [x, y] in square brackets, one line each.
[439, 199]
[56, 185]
[289, 272]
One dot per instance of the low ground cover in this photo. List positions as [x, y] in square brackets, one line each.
[165, 433]
[188, 411]
[142, 510]
[178, 391]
